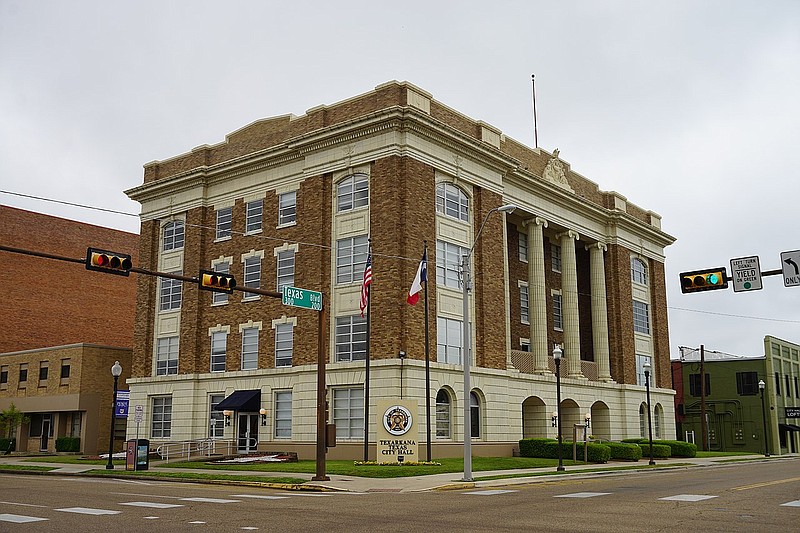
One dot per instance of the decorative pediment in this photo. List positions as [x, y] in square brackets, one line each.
[556, 172]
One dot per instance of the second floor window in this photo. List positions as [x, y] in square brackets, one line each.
[747, 383]
[694, 385]
[641, 317]
[558, 313]
[351, 259]
[555, 257]
[284, 344]
[285, 269]
[255, 210]
[449, 340]
[219, 341]
[351, 338]
[523, 304]
[170, 294]
[287, 208]
[252, 273]
[448, 264]
[250, 349]
[167, 356]
[220, 297]
[224, 222]
[523, 246]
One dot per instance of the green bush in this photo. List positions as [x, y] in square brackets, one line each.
[679, 448]
[7, 445]
[635, 440]
[661, 451]
[68, 444]
[548, 449]
[537, 448]
[625, 451]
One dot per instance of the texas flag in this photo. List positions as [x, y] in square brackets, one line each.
[422, 275]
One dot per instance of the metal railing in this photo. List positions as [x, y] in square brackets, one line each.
[195, 448]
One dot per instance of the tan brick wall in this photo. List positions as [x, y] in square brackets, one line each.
[620, 315]
[659, 326]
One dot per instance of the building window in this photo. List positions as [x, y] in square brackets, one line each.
[796, 388]
[525, 345]
[747, 383]
[75, 426]
[640, 362]
[449, 340]
[173, 236]
[224, 222]
[658, 418]
[254, 215]
[348, 413]
[283, 414]
[452, 202]
[219, 341]
[694, 384]
[252, 274]
[167, 356]
[287, 208]
[170, 294]
[558, 312]
[351, 338]
[285, 269]
[23, 373]
[3, 377]
[219, 298]
[161, 427]
[352, 193]
[777, 384]
[351, 259]
[249, 349]
[448, 264]
[638, 271]
[641, 317]
[555, 257]
[38, 422]
[216, 426]
[523, 304]
[44, 370]
[643, 421]
[65, 368]
[443, 415]
[523, 246]
[788, 390]
[284, 344]
[474, 415]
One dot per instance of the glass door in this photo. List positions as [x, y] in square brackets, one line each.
[247, 432]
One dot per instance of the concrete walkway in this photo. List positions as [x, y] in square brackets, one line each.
[451, 480]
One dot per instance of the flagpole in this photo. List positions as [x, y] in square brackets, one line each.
[427, 358]
[366, 364]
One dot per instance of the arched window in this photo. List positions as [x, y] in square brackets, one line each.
[638, 271]
[452, 202]
[658, 416]
[352, 192]
[443, 415]
[173, 235]
[475, 415]
[643, 421]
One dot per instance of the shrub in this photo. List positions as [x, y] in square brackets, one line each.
[7, 445]
[538, 448]
[548, 448]
[662, 451]
[625, 451]
[635, 440]
[679, 448]
[68, 444]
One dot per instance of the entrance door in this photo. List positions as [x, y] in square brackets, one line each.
[45, 434]
[248, 432]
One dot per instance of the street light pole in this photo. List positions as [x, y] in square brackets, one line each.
[466, 284]
[761, 387]
[116, 371]
[557, 353]
[649, 422]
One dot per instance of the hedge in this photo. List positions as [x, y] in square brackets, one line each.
[68, 444]
[635, 440]
[7, 445]
[536, 447]
[625, 451]
[662, 451]
[548, 448]
[679, 448]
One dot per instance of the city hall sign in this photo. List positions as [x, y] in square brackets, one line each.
[397, 431]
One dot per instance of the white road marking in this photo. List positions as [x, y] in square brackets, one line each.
[260, 496]
[688, 498]
[489, 492]
[87, 510]
[25, 504]
[209, 500]
[19, 519]
[795, 503]
[154, 505]
[582, 495]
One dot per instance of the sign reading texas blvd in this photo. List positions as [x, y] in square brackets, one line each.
[746, 274]
[790, 262]
[305, 298]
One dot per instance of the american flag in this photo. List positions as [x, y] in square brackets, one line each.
[365, 284]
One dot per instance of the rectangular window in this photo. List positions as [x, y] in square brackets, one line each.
[167, 356]
[224, 222]
[555, 257]
[640, 362]
[284, 344]
[219, 342]
[219, 298]
[788, 389]
[252, 274]
[352, 192]
[796, 388]
[283, 414]
[255, 211]
[449, 340]
[23, 373]
[747, 383]
[65, 368]
[777, 384]
[75, 427]
[694, 384]
[44, 370]
[173, 235]
[448, 264]
[4, 376]
[351, 338]
[641, 317]
[523, 304]
[250, 349]
[525, 345]
[351, 259]
[38, 422]
[348, 413]
[558, 314]
[287, 208]
[523, 247]
[171, 290]
[285, 269]
[161, 427]
[216, 426]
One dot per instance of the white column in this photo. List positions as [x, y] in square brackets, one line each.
[569, 298]
[537, 294]
[599, 310]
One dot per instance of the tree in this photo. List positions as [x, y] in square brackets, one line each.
[11, 419]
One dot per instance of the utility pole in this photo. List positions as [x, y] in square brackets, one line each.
[703, 425]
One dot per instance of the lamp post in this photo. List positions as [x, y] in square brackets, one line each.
[466, 286]
[761, 387]
[116, 371]
[649, 423]
[557, 354]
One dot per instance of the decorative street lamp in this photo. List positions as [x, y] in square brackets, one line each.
[649, 422]
[761, 387]
[116, 371]
[557, 353]
[467, 285]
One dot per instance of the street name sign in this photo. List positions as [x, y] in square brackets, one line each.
[746, 274]
[305, 298]
[790, 262]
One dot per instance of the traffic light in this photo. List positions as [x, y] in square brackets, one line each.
[110, 262]
[708, 279]
[216, 281]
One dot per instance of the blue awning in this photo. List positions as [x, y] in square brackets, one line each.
[241, 400]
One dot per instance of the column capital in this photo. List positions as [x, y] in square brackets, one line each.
[571, 234]
[597, 245]
[538, 221]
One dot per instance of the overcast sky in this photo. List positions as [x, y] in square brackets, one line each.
[688, 108]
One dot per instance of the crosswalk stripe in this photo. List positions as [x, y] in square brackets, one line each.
[20, 519]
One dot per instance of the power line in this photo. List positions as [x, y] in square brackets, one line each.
[69, 203]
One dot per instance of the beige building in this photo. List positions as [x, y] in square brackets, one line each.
[296, 200]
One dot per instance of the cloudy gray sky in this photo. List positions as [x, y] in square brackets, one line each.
[688, 108]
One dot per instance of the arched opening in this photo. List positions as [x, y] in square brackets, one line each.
[535, 419]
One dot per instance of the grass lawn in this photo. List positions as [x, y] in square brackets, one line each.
[206, 477]
[25, 468]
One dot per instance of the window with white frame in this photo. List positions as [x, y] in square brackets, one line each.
[216, 419]
[252, 274]
[558, 311]
[250, 348]
[283, 414]
[161, 421]
[351, 259]
[75, 426]
[523, 303]
[555, 257]
[284, 344]
[254, 216]
[224, 222]
[351, 338]
[449, 340]
[638, 271]
[285, 268]
[287, 208]
[173, 236]
[525, 344]
[640, 362]
[451, 201]
[443, 424]
[448, 264]
[475, 415]
[167, 356]
[348, 412]
[170, 294]
[643, 421]
[658, 414]
[641, 317]
[352, 192]
[523, 246]
[219, 347]
[222, 267]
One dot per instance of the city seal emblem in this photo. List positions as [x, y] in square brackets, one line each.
[397, 420]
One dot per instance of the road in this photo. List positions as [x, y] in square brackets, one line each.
[762, 496]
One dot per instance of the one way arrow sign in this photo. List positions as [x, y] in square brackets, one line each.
[790, 262]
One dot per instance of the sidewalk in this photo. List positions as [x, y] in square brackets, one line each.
[452, 480]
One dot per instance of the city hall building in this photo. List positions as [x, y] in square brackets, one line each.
[299, 200]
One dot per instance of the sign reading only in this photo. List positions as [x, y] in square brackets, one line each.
[304, 298]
